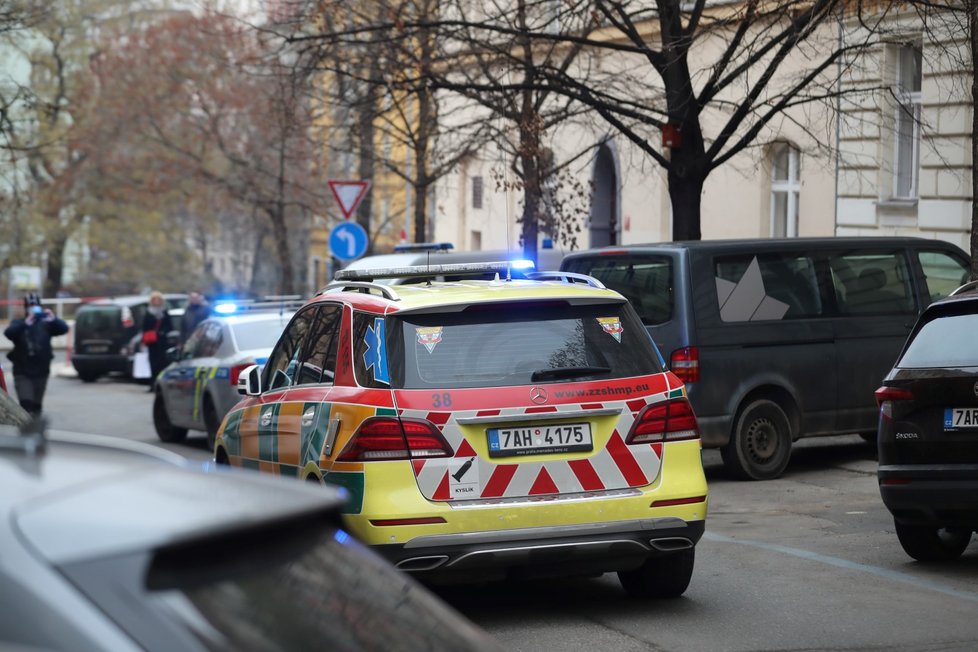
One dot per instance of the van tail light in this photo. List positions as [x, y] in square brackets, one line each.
[887, 396]
[383, 439]
[685, 363]
[668, 421]
[236, 371]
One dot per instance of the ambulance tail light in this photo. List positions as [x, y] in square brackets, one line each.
[669, 421]
[685, 363]
[384, 439]
[236, 371]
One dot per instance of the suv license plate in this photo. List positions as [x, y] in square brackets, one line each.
[960, 418]
[97, 348]
[563, 438]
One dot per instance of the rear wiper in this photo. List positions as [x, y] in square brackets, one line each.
[566, 372]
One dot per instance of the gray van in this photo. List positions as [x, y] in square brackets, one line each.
[778, 339]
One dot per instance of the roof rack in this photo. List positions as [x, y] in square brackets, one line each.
[361, 286]
[967, 287]
[421, 271]
[566, 277]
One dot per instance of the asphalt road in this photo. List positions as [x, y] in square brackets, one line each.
[806, 562]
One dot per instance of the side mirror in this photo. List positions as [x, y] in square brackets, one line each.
[249, 381]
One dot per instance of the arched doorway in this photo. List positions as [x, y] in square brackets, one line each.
[605, 225]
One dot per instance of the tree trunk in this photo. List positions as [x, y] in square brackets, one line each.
[685, 194]
[56, 264]
[972, 8]
[281, 235]
[530, 144]
[365, 128]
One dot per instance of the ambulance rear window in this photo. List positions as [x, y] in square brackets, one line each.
[519, 346]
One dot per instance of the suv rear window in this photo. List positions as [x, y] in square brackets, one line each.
[645, 280]
[507, 345]
[946, 341]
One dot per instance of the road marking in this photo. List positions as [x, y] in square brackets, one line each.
[896, 576]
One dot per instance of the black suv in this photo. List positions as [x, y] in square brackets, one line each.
[928, 431]
[105, 332]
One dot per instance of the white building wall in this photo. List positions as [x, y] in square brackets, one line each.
[942, 208]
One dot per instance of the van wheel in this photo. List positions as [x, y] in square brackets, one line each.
[760, 446]
[928, 543]
[165, 430]
[87, 377]
[666, 576]
[211, 422]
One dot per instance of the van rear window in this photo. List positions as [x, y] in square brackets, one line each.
[645, 280]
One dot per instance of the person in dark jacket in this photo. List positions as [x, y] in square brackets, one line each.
[32, 352]
[156, 325]
[196, 311]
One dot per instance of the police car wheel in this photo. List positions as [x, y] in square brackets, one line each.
[211, 422]
[929, 543]
[760, 446]
[661, 577]
[165, 430]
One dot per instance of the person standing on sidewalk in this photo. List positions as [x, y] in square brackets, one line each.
[196, 311]
[156, 326]
[32, 352]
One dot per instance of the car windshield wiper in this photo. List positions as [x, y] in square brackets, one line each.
[566, 372]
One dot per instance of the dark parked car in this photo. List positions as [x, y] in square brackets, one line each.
[106, 332]
[928, 431]
[115, 545]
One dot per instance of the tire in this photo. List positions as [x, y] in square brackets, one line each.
[760, 446]
[929, 543]
[869, 437]
[211, 423]
[165, 430]
[659, 578]
[87, 377]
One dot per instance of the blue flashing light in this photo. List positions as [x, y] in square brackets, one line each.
[523, 264]
[226, 308]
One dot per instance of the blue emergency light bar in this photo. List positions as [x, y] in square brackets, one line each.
[503, 267]
[423, 246]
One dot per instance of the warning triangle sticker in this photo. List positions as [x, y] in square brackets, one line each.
[348, 194]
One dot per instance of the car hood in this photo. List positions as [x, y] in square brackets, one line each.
[153, 505]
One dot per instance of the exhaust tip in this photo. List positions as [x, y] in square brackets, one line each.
[418, 564]
[671, 544]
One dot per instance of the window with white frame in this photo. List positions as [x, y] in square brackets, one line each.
[785, 188]
[906, 125]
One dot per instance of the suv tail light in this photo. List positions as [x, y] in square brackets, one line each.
[126, 317]
[685, 363]
[383, 439]
[887, 396]
[669, 421]
[885, 393]
[236, 373]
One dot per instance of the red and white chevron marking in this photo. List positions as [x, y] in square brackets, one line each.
[616, 466]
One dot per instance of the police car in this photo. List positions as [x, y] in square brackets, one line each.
[199, 387]
[484, 429]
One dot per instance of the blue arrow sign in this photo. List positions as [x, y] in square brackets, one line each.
[347, 241]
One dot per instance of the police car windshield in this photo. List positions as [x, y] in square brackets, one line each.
[259, 334]
[518, 345]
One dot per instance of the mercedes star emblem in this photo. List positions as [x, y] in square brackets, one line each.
[538, 395]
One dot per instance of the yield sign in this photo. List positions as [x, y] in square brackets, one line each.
[348, 194]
